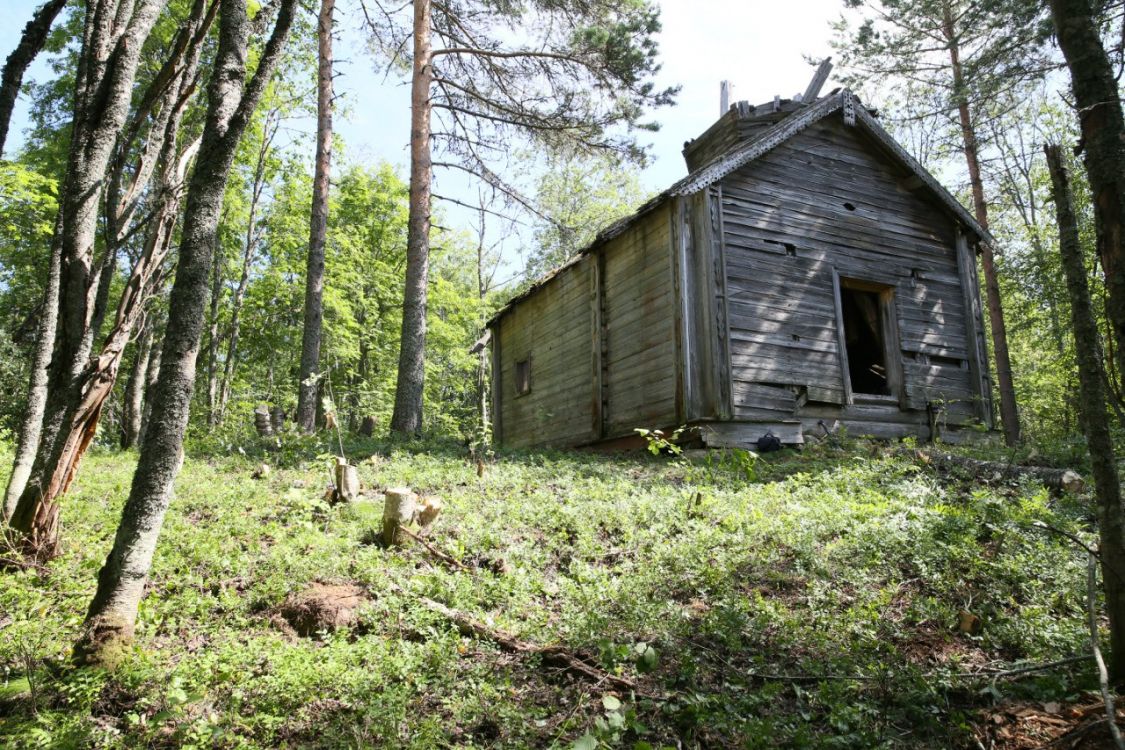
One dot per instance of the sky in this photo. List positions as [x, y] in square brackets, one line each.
[758, 45]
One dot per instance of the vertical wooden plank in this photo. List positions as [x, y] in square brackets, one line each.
[597, 336]
[974, 328]
[841, 338]
[896, 378]
[700, 308]
[680, 240]
[718, 293]
[497, 420]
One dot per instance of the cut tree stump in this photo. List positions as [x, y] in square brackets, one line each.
[399, 507]
[367, 427]
[262, 421]
[347, 481]
[428, 511]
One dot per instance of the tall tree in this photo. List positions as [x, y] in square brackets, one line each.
[318, 230]
[1097, 98]
[231, 102]
[556, 72]
[959, 53]
[1095, 420]
[31, 42]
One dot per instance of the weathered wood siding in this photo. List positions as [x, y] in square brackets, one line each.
[601, 341]
[640, 367]
[827, 200]
[553, 329]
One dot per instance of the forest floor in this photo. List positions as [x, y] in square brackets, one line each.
[810, 599]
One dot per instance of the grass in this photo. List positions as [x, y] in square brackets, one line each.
[810, 600]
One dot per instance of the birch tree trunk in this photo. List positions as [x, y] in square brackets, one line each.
[407, 416]
[32, 423]
[1111, 513]
[1009, 411]
[318, 230]
[1103, 142]
[231, 101]
[31, 42]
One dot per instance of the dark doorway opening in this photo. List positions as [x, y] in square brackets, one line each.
[864, 338]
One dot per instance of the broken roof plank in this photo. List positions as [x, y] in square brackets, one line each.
[818, 81]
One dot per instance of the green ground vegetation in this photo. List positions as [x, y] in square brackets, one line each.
[800, 600]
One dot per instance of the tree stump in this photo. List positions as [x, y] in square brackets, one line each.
[277, 418]
[399, 506]
[367, 427]
[262, 421]
[428, 511]
[347, 481]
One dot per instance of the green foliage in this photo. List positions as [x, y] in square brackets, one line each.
[579, 195]
[28, 203]
[835, 561]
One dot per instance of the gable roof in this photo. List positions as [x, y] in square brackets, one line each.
[854, 114]
[842, 100]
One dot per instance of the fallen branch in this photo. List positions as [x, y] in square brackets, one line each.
[1065, 480]
[434, 551]
[556, 655]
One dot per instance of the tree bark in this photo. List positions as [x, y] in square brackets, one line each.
[1103, 141]
[231, 101]
[1009, 411]
[1111, 513]
[407, 416]
[32, 423]
[135, 390]
[31, 42]
[318, 230]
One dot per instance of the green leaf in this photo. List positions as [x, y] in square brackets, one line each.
[585, 742]
[611, 702]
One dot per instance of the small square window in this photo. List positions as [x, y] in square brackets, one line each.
[523, 377]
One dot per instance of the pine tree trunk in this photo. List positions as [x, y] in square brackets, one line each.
[318, 230]
[31, 42]
[32, 423]
[231, 102]
[1009, 411]
[1095, 420]
[1103, 140]
[135, 390]
[407, 416]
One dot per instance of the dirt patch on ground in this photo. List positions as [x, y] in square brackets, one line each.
[322, 607]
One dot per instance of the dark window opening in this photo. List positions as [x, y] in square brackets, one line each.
[865, 342]
[790, 249]
[523, 377]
